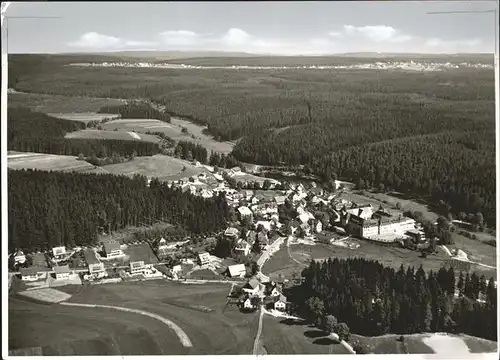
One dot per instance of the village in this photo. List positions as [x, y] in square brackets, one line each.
[265, 214]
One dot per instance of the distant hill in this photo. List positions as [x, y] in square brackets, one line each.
[160, 55]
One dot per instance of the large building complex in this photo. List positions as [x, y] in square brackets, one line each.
[382, 225]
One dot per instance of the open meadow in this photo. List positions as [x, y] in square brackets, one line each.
[199, 310]
[174, 130]
[284, 337]
[291, 261]
[49, 162]
[59, 330]
[84, 117]
[59, 104]
[112, 135]
[162, 167]
[461, 345]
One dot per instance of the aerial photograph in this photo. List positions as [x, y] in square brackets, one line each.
[249, 178]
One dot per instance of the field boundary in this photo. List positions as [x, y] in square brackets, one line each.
[183, 338]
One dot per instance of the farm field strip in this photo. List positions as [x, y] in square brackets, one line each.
[183, 338]
[160, 166]
[172, 130]
[112, 135]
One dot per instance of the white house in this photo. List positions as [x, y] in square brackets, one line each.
[280, 304]
[112, 249]
[254, 200]
[237, 270]
[280, 200]
[19, 257]
[204, 193]
[252, 286]
[243, 246]
[204, 258]
[29, 274]
[231, 232]
[137, 267]
[247, 304]
[62, 272]
[245, 212]
[97, 269]
[265, 224]
[59, 251]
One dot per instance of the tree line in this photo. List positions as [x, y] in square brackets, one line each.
[375, 300]
[136, 110]
[191, 151]
[48, 209]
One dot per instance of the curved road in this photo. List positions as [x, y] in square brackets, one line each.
[184, 339]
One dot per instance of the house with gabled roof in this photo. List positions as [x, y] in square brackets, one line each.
[231, 232]
[62, 272]
[59, 251]
[19, 257]
[280, 200]
[29, 274]
[112, 249]
[137, 267]
[245, 213]
[243, 247]
[252, 286]
[280, 304]
[204, 258]
[237, 270]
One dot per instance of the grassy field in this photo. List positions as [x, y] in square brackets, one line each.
[221, 331]
[414, 344]
[160, 166]
[84, 117]
[283, 337]
[173, 130]
[113, 135]
[61, 330]
[59, 103]
[393, 256]
[48, 162]
[476, 250]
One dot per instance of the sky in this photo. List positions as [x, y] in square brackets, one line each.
[281, 28]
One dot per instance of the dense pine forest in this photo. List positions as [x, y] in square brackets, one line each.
[374, 300]
[36, 132]
[51, 208]
[136, 110]
[429, 133]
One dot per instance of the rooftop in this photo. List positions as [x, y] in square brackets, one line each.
[64, 269]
